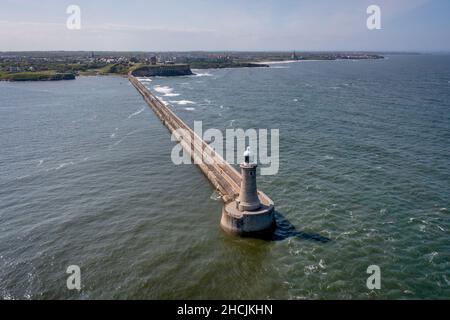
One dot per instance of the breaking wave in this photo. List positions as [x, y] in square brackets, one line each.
[201, 74]
[136, 113]
[144, 79]
[166, 90]
[171, 94]
[182, 102]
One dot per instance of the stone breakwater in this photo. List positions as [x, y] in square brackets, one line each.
[226, 179]
[219, 172]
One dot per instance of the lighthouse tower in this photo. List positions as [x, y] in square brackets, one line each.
[252, 213]
[248, 198]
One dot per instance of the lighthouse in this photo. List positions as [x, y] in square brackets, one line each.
[248, 198]
[252, 213]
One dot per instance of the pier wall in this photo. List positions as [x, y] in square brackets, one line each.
[225, 178]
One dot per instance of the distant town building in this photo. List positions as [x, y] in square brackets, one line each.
[294, 56]
[153, 60]
[15, 69]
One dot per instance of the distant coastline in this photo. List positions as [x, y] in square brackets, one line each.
[54, 66]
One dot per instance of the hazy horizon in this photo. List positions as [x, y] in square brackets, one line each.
[239, 51]
[406, 26]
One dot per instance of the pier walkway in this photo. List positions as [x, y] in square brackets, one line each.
[219, 172]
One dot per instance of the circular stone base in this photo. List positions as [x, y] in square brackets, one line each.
[247, 223]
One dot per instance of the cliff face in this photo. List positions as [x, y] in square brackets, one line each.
[166, 70]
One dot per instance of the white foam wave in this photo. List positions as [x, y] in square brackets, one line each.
[431, 256]
[182, 102]
[65, 164]
[25, 176]
[215, 196]
[136, 113]
[120, 141]
[166, 90]
[189, 109]
[114, 133]
[322, 264]
[201, 74]
[116, 143]
[144, 79]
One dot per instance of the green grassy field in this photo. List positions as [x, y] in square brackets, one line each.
[36, 76]
[68, 72]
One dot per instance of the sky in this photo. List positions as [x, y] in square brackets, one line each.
[219, 25]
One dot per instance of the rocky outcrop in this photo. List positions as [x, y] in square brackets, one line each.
[165, 70]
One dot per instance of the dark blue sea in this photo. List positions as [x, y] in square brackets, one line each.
[86, 179]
